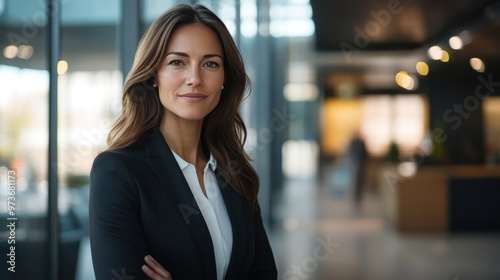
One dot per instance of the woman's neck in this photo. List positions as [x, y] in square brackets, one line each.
[183, 137]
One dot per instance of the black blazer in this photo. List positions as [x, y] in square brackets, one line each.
[140, 204]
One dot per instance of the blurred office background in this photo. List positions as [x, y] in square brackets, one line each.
[374, 126]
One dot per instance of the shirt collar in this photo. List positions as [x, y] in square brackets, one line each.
[180, 161]
[212, 163]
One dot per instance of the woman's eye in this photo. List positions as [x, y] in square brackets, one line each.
[175, 63]
[212, 64]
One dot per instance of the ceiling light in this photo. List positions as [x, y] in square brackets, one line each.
[25, 51]
[445, 57]
[435, 53]
[422, 68]
[477, 64]
[10, 51]
[62, 67]
[406, 81]
[456, 43]
[399, 77]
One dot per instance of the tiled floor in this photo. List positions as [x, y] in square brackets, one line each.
[323, 236]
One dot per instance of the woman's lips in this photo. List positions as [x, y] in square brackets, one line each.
[193, 97]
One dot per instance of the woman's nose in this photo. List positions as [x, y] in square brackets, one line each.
[193, 76]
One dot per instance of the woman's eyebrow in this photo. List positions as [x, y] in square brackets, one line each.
[178, 54]
[212, 55]
[186, 55]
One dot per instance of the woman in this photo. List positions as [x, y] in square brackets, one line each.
[174, 195]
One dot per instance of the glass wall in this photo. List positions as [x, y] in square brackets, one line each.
[89, 98]
[89, 95]
[24, 83]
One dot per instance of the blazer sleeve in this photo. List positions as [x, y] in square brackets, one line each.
[116, 236]
[263, 266]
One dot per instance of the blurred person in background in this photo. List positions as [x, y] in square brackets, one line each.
[358, 154]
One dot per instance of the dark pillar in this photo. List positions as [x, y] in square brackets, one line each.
[128, 34]
[53, 50]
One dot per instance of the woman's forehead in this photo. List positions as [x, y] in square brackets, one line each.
[194, 38]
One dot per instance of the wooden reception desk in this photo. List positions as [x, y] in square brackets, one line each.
[426, 201]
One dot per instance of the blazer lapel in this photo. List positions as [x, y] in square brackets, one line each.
[239, 218]
[164, 165]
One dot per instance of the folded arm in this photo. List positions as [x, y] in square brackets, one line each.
[117, 239]
[264, 266]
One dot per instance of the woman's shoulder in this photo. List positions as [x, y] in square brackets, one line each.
[129, 154]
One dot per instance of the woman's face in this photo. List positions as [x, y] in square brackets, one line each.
[192, 73]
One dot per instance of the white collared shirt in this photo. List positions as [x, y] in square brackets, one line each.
[213, 209]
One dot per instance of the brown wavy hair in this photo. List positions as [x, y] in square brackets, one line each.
[223, 129]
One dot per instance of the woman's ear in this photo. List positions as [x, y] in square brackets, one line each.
[152, 81]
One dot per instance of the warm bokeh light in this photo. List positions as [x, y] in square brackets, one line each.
[376, 123]
[62, 67]
[399, 77]
[408, 121]
[399, 119]
[406, 81]
[407, 169]
[435, 53]
[456, 43]
[300, 92]
[340, 117]
[491, 114]
[477, 64]
[422, 68]
[10, 51]
[25, 51]
[445, 57]
[300, 158]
